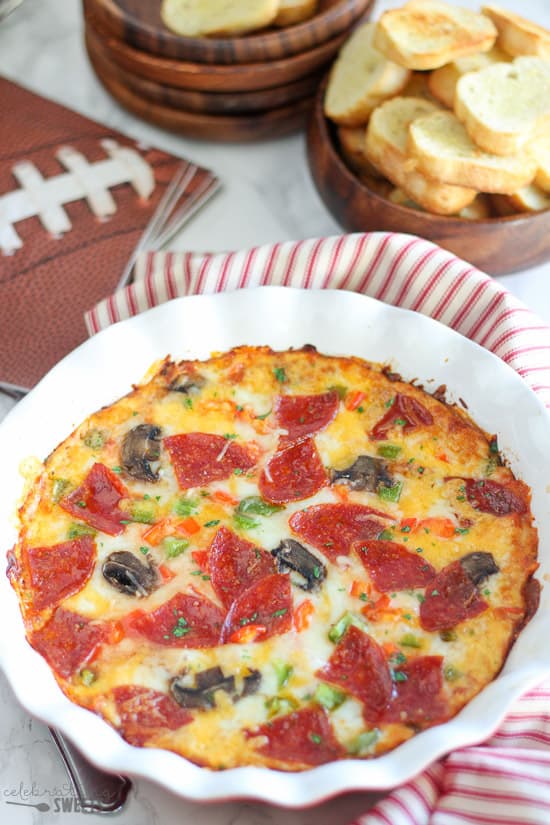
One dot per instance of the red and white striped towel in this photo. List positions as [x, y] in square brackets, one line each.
[506, 781]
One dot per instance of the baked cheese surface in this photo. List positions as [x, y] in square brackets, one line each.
[275, 558]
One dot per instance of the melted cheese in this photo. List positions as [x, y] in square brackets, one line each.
[237, 399]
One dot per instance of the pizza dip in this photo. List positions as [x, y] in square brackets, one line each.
[275, 558]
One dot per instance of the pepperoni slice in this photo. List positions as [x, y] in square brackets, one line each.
[183, 621]
[304, 737]
[67, 641]
[235, 564]
[359, 667]
[333, 528]
[59, 571]
[449, 599]
[303, 415]
[267, 604]
[405, 412]
[417, 698]
[96, 501]
[391, 567]
[293, 473]
[491, 497]
[143, 712]
[200, 458]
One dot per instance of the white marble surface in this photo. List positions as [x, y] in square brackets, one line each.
[267, 196]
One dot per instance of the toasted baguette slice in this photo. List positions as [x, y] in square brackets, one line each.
[541, 152]
[361, 79]
[477, 210]
[399, 197]
[426, 34]
[506, 106]
[295, 11]
[442, 82]
[386, 147]
[377, 184]
[445, 151]
[352, 147]
[528, 199]
[201, 18]
[519, 36]
[418, 87]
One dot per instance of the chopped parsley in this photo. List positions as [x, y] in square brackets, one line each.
[212, 523]
[315, 738]
[280, 375]
[244, 621]
[181, 628]
[399, 676]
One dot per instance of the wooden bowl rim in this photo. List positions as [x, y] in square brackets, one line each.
[260, 43]
[325, 127]
[96, 45]
[216, 69]
[273, 116]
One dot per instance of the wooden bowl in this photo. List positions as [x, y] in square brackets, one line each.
[495, 245]
[210, 77]
[243, 128]
[213, 103]
[139, 24]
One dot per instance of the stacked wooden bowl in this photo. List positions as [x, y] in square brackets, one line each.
[248, 88]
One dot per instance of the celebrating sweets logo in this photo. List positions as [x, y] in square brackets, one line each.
[59, 799]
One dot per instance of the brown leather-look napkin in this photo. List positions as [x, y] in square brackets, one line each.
[50, 280]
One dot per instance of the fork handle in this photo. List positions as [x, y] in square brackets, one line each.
[98, 792]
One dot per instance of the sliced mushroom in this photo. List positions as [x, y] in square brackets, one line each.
[200, 693]
[128, 574]
[140, 446]
[366, 473]
[479, 566]
[251, 683]
[188, 384]
[291, 555]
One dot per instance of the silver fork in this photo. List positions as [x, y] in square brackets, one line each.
[96, 790]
